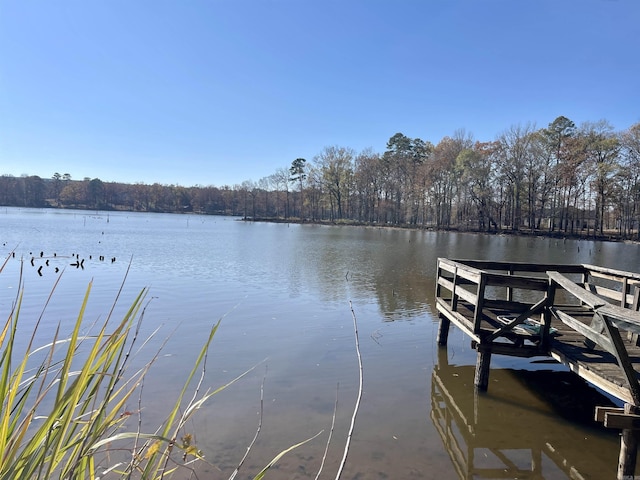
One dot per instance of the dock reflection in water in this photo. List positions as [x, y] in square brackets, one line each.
[512, 431]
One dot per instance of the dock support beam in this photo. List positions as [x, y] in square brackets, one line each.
[443, 330]
[629, 441]
[483, 364]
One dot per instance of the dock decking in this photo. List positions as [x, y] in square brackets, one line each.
[584, 316]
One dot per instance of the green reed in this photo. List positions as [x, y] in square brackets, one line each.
[67, 416]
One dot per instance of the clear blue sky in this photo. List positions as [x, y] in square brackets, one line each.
[221, 91]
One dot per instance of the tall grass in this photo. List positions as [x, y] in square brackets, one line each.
[64, 404]
[64, 410]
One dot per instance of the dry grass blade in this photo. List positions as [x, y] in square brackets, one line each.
[277, 458]
[333, 423]
[255, 437]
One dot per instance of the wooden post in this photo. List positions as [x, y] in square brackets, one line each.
[483, 364]
[443, 359]
[443, 330]
[628, 447]
[585, 280]
[454, 297]
[477, 313]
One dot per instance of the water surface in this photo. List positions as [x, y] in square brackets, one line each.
[287, 296]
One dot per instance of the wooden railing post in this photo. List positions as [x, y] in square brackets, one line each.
[509, 289]
[438, 274]
[454, 297]
[477, 313]
[445, 323]
[585, 280]
[546, 314]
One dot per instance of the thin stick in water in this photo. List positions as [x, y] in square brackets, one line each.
[357, 405]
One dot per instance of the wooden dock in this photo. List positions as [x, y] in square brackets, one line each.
[584, 316]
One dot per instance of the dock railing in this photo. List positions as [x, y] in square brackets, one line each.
[492, 292]
[617, 286]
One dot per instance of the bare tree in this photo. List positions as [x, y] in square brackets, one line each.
[513, 153]
[601, 148]
[336, 166]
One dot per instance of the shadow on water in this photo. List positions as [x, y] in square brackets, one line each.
[529, 424]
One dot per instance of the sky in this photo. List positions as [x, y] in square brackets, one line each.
[218, 92]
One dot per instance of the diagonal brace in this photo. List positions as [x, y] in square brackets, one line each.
[518, 320]
[622, 357]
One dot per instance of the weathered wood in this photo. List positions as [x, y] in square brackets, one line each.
[523, 351]
[606, 292]
[467, 295]
[623, 359]
[602, 411]
[483, 364]
[514, 307]
[589, 332]
[622, 318]
[610, 273]
[457, 290]
[446, 283]
[596, 377]
[523, 266]
[476, 314]
[446, 264]
[580, 293]
[621, 421]
[628, 447]
[513, 281]
[465, 271]
[518, 320]
[459, 319]
[443, 330]
[628, 454]
[454, 296]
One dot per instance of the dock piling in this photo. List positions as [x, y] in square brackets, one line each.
[628, 447]
[483, 364]
[443, 330]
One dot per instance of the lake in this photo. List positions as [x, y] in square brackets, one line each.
[287, 295]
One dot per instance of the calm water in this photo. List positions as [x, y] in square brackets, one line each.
[285, 294]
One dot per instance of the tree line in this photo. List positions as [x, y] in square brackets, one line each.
[562, 179]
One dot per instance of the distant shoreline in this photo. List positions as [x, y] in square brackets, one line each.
[607, 237]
